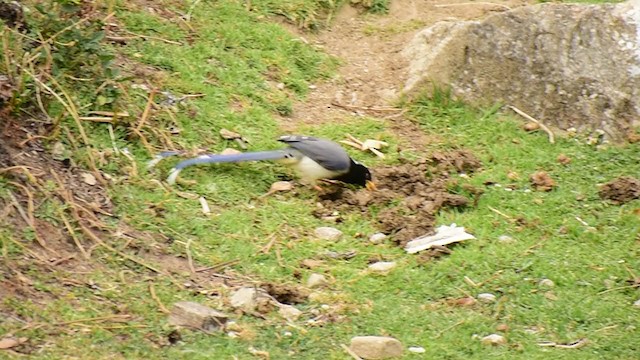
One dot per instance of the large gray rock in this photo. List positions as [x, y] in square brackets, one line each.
[569, 65]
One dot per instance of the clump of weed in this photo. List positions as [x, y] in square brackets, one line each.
[59, 46]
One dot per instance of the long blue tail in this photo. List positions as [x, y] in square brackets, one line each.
[214, 158]
[208, 159]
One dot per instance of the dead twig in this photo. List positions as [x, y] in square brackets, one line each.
[496, 275]
[24, 169]
[530, 118]
[152, 38]
[155, 297]
[572, 345]
[618, 288]
[28, 217]
[187, 247]
[441, 332]
[147, 109]
[220, 266]
[272, 240]
[500, 213]
[72, 233]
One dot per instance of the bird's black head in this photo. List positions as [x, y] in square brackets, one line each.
[358, 174]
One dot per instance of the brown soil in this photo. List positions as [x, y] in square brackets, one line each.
[374, 70]
[541, 181]
[408, 196]
[621, 190]
[286, 294]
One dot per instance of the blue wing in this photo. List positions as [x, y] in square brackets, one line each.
[328, 154]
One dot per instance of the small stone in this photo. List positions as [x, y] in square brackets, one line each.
[382, 266]
[506, 239]
[289, 312]
[88, 179]
[316, 280]
[546, 283]
[59, 151]
[637, 303]
[245, 298]
[197, 316]
[377, 238]
[465, 301]
[416, 349]
[502, 327]
[494, 339]
[376, 347]
[531, 126]
[328, 233]
[486, 297]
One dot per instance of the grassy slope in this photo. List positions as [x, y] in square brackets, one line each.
[237, 52]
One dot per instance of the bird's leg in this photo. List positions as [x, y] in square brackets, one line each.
[326, 181]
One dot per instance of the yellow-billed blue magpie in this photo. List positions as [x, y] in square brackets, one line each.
[312, 158]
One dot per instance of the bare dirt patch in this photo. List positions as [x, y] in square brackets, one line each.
[621, 190]
[409, 195]
[286, 293]
[373, 70]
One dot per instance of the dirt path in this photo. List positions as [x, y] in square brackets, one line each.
[373, 70]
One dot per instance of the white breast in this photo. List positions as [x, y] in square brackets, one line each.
[310, 171]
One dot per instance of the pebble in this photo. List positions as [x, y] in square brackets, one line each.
[289, 312]
[316, 280]
[546, 283]
[245, 298]
[637, 303]
[328, 233]
[416, 349]
[377, 238]
[486, 297]
[494, 339]
[376, 347]
[195, 315]
[506, 239]
[382, 266]
[89, 179]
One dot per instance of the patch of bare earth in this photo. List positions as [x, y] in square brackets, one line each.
[621, 190]
[409, 195]
[373, 70]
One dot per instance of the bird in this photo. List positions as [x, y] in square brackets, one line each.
[311, 157]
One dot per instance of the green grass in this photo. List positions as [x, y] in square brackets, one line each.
[237, 57]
